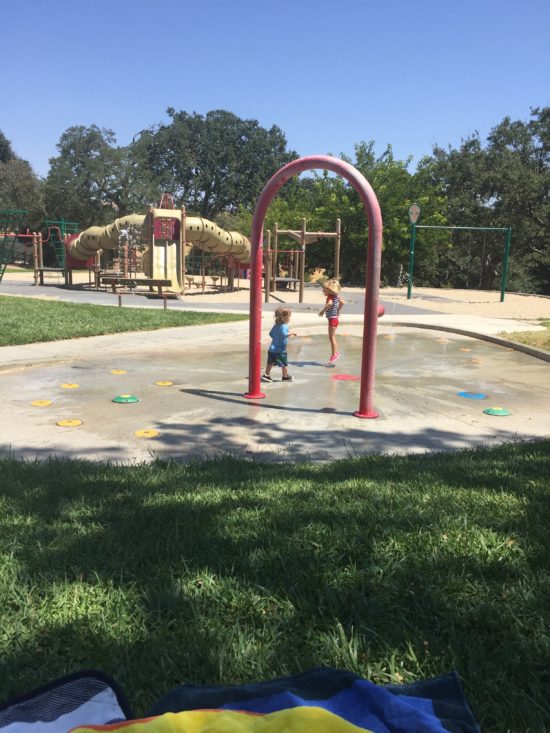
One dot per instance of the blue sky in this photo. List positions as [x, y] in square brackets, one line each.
[329, 74]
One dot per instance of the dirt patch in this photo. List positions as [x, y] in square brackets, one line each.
[473, 302]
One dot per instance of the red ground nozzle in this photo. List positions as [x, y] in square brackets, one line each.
[366, 415]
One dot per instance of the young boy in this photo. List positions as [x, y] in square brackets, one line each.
[333, 306]
[276, 355]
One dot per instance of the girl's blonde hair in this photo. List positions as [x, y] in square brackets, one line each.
[282, 315]
[332, 285]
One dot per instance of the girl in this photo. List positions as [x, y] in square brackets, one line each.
[333, 306]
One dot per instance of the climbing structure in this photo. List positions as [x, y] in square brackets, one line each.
[168, 235]
[58, 229]
[10, 222]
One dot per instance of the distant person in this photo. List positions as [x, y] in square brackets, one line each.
[276, 354]
[333, 306]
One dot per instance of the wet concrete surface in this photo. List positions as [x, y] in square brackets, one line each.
[204, 413]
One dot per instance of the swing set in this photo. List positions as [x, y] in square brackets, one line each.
[414, 212]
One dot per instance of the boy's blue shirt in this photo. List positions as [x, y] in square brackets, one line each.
[279, 336]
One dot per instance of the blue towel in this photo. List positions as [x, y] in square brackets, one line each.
[433, 706]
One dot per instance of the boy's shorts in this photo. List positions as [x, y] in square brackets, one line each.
[277, 358]
[333, 322]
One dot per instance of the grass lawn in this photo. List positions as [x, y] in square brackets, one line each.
[538, 339]
[28, 320]
[398, 568]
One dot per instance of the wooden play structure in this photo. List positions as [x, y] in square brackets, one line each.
[169, 253]
[155, 251]
[19, 243]
[165, 251]
[292, 262]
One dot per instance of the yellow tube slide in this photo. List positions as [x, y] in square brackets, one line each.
[93, 239]
[163, 259]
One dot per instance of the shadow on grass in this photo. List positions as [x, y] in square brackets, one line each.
[231, 570]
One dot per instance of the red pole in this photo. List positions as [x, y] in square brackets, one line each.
[255, 334]
[372, 277]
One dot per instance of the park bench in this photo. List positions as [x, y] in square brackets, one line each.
[57, 270]
[132, 282]
[283, 283]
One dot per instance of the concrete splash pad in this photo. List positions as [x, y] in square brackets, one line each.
[202, 413]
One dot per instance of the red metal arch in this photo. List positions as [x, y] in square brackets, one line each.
[372, 278]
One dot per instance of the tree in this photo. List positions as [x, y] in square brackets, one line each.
[518, 157]
[396, 188]
[213, 163]
[324, 198]
[85, 182]
[6, 152]
[20, 188]
[504, 182]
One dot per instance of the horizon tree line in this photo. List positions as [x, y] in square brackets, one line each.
[216, 165]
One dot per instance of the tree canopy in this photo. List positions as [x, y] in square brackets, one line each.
[504, 182]
[212, 163]
[6, 152]
[20, 188]
[85, 180]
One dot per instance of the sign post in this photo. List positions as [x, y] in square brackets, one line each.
[414, 213]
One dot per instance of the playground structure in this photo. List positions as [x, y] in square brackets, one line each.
[167, 235]
[294, 266]
[154, 250]
[11, 220]
[157, 249]
[58, 233]
[13, 231]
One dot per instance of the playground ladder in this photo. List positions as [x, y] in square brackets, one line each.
[58, 245]
[57, 231]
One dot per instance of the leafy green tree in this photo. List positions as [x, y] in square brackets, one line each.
[6, 152]
[518, 158]
[85, 182]
[142, 180]
[212, 163]
[323, 198]
[396, 188]
[460, 258]
[504, 182]
[20, 188]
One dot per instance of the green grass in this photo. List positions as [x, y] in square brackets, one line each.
[28, 320]
[398, 568]
[13, 270]
[538, 339]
